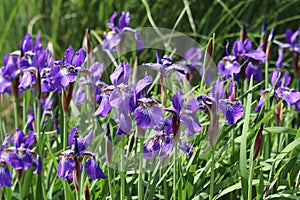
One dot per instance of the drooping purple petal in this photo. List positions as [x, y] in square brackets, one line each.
[5, 176]
[192, 105]
[152, 147]
[26, 80]
[140, 43]
[142, 117]
[254, 70]
[186, 147]
[120, 97]
[291, 96]
[233, 111]
[4, 84]
[97, 70]
[191, 124]
[257, 55]
[104, 107]
[93, 170]
[110, 41]
[80, 96]
[36, 162]
[149, 115]
[125, 123]
[20, 159]
[66, 166]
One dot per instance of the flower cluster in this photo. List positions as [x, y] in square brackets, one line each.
[231, 65]
[69, 167]
[19, 156]
[33, 65]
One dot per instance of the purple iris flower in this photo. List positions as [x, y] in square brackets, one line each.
[162, 144]
[27, 63]
[193, 67]
[20, 156]
[95, 72]
[70, 160]
[164, 65]
[65, 71]
[186, 147]
[187, 116]
[113, 39]
[122, 97]
[292, 43]
[281, 90]
[153, 145]
[228, 66]
[242, 49]
[231, 109]
[148, 114]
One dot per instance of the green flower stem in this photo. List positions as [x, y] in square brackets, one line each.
[175, 171]
[78, 194]
[20, 190]
[140, 180]
[212, 177]
[165, 185]
[122, 173]
[65, 138]
[110, 183]
[65, 131]
[250, 181]
[16, 104]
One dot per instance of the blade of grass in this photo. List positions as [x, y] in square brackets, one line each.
[243, 149]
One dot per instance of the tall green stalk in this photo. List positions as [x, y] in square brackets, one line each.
[175, 172]
[122, 173]
[140, 180]
[16, 104]
[250, 181]
[65, 138]
[212, 176]
[110, 183]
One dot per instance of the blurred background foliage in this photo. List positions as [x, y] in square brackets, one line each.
[62, 23]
